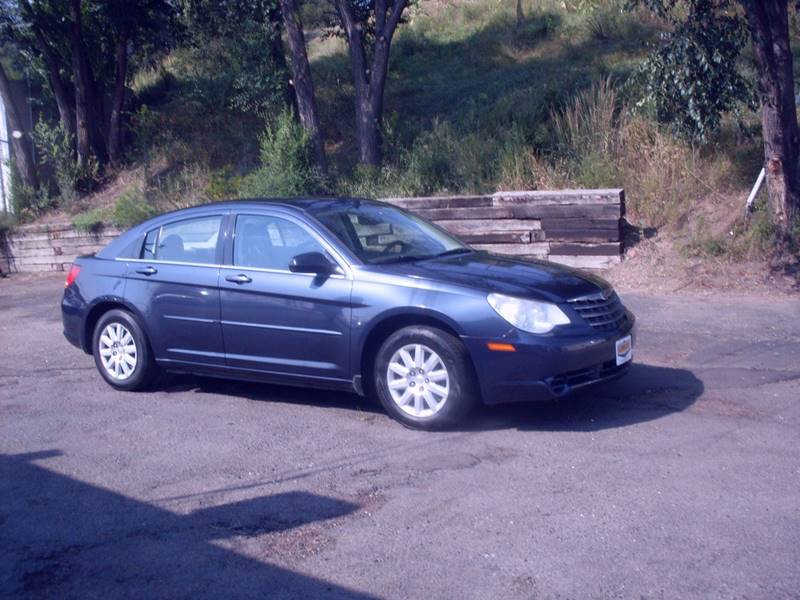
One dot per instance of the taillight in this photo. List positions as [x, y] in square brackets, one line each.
[72, 275]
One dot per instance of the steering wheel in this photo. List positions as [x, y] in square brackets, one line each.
[396, 243]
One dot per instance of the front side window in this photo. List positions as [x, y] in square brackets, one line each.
[377, 233]
[266, 242]
[191, 241]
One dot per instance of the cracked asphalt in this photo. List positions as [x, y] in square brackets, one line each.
[681, 480]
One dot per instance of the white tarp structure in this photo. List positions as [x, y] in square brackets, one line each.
[5, 158]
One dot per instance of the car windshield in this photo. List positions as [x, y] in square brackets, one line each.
[378, 233]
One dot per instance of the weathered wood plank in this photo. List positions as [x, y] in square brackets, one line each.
[16, 244]
[497, 237]
[588, 211]
[483, 225]
[585, 262]
[440, 202]
[478, 212]
[537, 248]
[589, 235]
[579, 223]
[601, 249]
[63, 235]
[51, 251]
[561, 197]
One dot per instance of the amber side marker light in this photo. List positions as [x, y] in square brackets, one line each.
[72, 275]
[497, 347]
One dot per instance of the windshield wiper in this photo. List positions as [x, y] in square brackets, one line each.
[453, 252]
[399, 259]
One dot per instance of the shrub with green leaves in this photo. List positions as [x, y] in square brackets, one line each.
[91, 220]
[27, 202]
[131, 208]
[287, 165]
[56, 145]
[692, 79]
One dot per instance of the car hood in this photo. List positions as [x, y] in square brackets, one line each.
[536, 279]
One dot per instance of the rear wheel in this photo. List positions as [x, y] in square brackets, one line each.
[424, 379]
[121, 352]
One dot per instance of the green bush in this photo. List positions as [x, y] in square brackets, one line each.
[131, 208]
[287, 166]
[27, 202]
[56, 145]
[91, 220]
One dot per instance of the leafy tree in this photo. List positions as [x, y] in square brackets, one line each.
[83, 48]
[689, 79]
[693, 78]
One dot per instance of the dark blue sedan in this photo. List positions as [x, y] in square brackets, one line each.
[346, 294]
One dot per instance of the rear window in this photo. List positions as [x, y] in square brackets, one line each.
[190, 241]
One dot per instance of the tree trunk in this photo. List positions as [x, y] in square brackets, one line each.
[303, 82]
[369, 132]
[20, 145]
[115, 146]
[59, 87]
[88, 129]
[370, 79]
[769, 27]
[278, 55]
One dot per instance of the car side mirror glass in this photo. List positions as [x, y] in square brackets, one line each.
[312, 262]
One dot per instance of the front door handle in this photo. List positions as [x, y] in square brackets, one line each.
[147, 271]
[240, 279]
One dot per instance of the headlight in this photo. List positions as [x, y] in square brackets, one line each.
[528, 315]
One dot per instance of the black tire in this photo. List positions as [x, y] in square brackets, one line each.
[145, 371]
[463, 388]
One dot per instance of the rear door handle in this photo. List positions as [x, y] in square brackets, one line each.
[240, 279]
[147, 271]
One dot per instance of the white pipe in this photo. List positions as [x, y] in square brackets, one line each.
[754, 192]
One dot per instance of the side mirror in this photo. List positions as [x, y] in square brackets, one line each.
[312, 262]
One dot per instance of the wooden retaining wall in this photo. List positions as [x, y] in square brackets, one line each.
[49, 247]
[580, 228]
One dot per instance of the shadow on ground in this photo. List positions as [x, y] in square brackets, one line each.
[645, 393]
[63, 538]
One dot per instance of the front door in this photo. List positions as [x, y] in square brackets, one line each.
[293, 325]
[175, 283]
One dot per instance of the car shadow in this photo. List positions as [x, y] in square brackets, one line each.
[645, 393]
[267, 392]
[65, 538]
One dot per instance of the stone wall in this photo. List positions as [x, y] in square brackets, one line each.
[580, 228]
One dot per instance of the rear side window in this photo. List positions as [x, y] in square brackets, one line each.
[270, 242]
[191, 241]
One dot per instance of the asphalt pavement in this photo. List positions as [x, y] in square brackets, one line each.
[681, 480]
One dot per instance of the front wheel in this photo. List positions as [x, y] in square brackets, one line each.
[424, 378]
[121, 352]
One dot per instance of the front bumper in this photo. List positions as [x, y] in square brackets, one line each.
[544, 368]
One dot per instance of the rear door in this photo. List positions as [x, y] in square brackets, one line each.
[274, 321]
[175, 283]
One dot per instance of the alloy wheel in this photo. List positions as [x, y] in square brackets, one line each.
[418, 381]
[118, 352]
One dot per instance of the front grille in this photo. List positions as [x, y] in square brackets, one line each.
[601, 313]
[560, 384]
